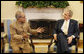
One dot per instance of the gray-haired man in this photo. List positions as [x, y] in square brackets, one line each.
[65, 32]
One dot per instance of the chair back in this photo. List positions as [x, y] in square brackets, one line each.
[8, 28]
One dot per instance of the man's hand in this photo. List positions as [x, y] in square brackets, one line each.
[55, 37]
[25, 36]
[70, 39]
[40, 30]
[17, 37]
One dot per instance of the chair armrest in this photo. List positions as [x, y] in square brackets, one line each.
[3, 35]
[6, 48]
[50, 45]
[51, 42]
[76, 48]
[31, 40]
[31, 44]
[78, 37]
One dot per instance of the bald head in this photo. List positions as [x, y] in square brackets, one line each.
[20, 16]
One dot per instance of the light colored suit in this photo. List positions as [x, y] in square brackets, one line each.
[17, 30]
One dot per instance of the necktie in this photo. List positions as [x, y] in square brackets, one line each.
[65, 30]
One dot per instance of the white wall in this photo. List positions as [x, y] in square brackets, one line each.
[44, 13]
[8, 10]
[77, 9]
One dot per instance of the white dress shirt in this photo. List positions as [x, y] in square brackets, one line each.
[65, 27]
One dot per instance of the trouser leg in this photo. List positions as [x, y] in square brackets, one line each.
[27, 48]
[69, 50]
[62, 44]
[16, 49]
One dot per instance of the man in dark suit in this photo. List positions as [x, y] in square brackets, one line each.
[65, 32]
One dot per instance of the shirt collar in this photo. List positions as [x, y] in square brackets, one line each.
[67, 20]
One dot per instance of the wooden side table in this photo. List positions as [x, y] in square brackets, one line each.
[41, 45]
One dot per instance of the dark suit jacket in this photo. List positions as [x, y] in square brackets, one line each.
[72, 30]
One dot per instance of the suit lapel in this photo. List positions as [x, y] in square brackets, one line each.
[70, 25]
[61, 23]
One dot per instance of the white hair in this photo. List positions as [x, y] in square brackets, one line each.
[70, 12]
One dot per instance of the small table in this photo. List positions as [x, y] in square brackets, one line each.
[41, 45]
